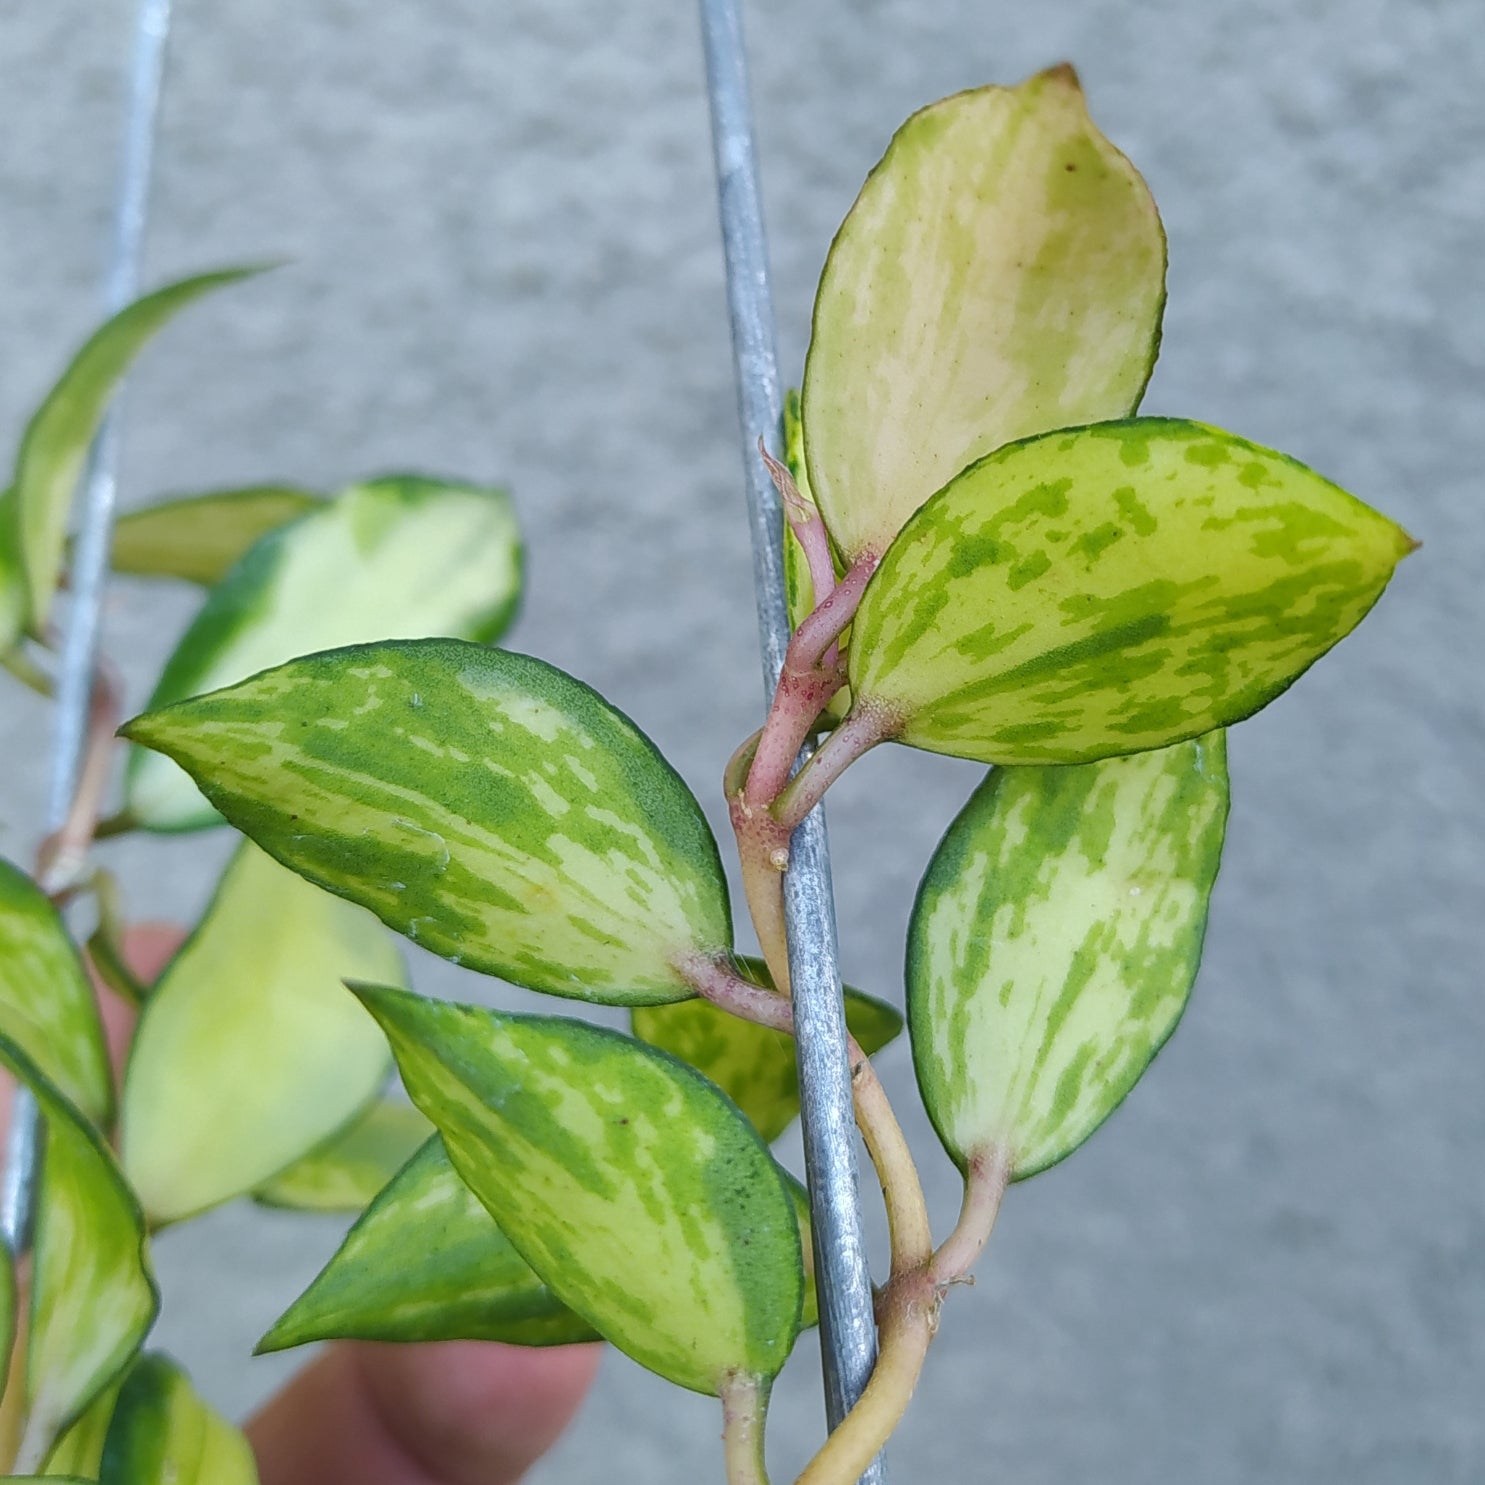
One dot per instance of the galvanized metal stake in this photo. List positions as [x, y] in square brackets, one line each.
[847, 1329]
[89, 569]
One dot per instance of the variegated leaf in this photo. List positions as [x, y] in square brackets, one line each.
[13, 595]
[395, 558]
[426, 1262]
[799, 587]
[249, 1052]
[79, 1451]
[631, 1186]
[1001, 273]
[56, 439]
[93, 1296]
[163, 1433]
[1054, 943]
[199, 537]
[346, 1172]
[495, 810]
[754, 1066]
[46, 1003]
[1103, 590]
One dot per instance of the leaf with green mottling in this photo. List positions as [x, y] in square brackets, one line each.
[1001, 273]
[163, 1433]
[46, 1003]
[753, 1065]
[93, 1296]
[634, 1188]
[249, 1052]
[495, 810]
[402, 557]
[199, 537]
[350, 1168]
[79, 1451]
[1103, 590]
[1054, 944]
[426, 1262]
[56, 439]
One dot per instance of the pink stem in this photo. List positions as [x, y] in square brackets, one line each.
[858, 734]
[804, 521]
[985, 1183]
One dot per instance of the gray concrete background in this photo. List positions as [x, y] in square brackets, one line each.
[1271, 1263]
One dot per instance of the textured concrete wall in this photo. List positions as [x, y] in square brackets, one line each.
[1271, 1264]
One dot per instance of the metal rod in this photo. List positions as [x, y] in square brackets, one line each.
[847, 1330]
[89, 571]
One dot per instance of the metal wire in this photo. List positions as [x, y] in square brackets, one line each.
[847, 1330]
[89, 570]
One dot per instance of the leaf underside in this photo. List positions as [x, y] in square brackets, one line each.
[1054, 943]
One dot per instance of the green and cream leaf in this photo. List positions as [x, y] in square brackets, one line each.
[163, 1433]
[1103, 590]
[93, 1296]
[492, 808]
[1054, 943]
[350, 1168]
[46, 1003]
[753, 1065]
[56, 439]
[631, 1186]
[198, 538]
[401, 557]
[249, 1052]
[1001, 273]
[426, 1262]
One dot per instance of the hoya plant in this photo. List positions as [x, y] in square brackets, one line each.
[990, 556]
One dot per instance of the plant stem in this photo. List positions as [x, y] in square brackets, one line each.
[744, 1408]
[858, 734]
[985, 1182]
[804, 521]
[28, 672]
[902, 1191]
[907, 1326]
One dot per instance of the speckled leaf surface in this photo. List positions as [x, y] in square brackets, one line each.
[1001, 273]
[199, 537]
[630, 1185]
[164, 1433]
[401, 557]
[56, 439]
[353, 1165]
[1102, 590]
[494, 809]
[426, 1262]
[250, 1052]
[1054, 943]
[753, 1065]
[46, 1003]
[93, 1296]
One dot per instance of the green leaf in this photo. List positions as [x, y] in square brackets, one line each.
[495, 810]
[809, 1315]
[426, 1262]
[93, 1296]
[79, 1451]
[640, 1195]
[1001, 273]
[350, 1168]
[752, 1065]
[56, 439]
[401, 557]
[7, 1315]
[46, 1003]
[1054, 943]
[799, 586]
[1102, 590]
[249, 1052]
[13, 597]
[199, 537]
[162, 1433]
